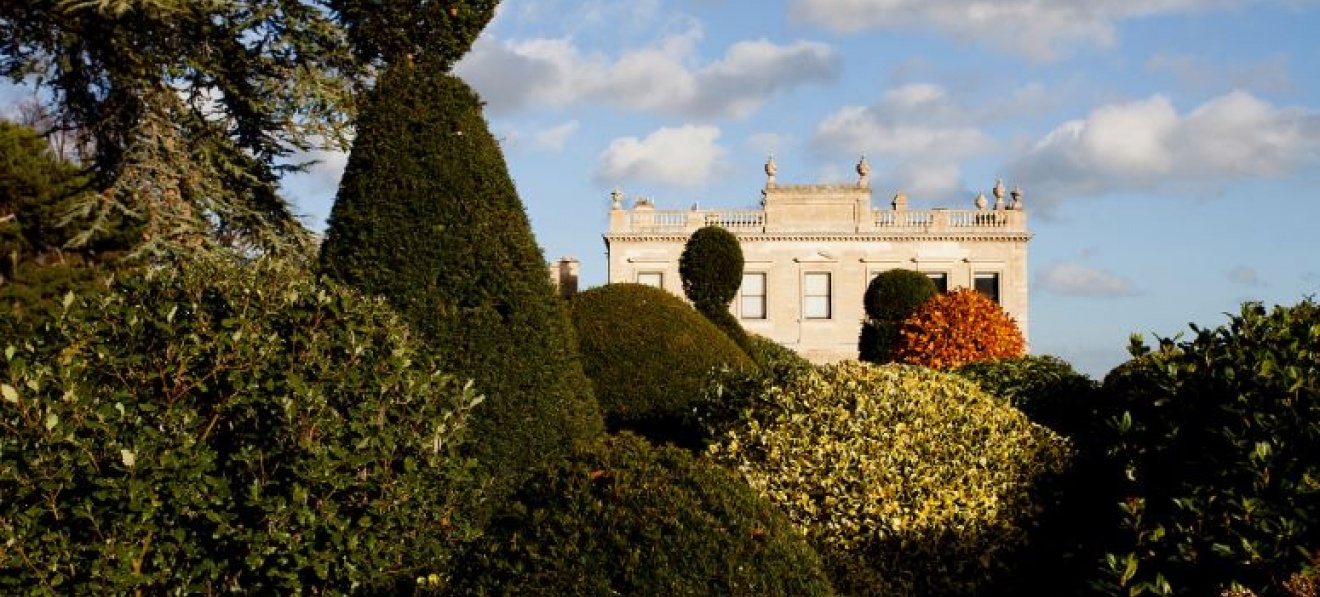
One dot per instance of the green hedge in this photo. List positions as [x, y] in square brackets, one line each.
[890, 298]
[624, 518]
[428, 217]
[908, 481]
[1046, 388]
[649, 355]
[1215, 442]
[223, 429]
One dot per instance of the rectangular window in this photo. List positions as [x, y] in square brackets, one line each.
[940, 279]
[987, 283]
[816, 295]
[656, 279]
[753, 296]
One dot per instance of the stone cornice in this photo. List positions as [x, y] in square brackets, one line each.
[835, 237]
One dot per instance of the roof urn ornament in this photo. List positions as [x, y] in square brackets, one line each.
[863, 172]
[999, 194]
[900, 201]
[981, 201]
[770, 169]
[1017, 198]
[616, 199]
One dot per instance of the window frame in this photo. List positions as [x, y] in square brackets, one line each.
[998, 277]
[660, 278]
[763, 296]
[828, 295]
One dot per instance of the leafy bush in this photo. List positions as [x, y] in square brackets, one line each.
[960, 327]
[890, 298]
[224, 429]
[908, 481]
[1218, 440]
[623, 518]
[649, 355]
[428, 217]
[1046, 388]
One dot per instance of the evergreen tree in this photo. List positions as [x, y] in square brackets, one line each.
[427, 216]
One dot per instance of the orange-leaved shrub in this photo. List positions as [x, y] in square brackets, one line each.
[963, 326]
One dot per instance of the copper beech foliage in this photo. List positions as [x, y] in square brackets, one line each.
[963, 326]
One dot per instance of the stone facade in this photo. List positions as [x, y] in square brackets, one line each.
[811, 250]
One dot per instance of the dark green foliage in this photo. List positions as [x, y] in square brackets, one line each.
[624, 518]
[1046, 388]
[773, 356]
[649, 355]
[224, 428]
[890, 298]
[1218, 440]
[711, 267]
[36, 192]
[441, 32]
[428, 217]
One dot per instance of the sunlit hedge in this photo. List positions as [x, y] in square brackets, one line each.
[909, 481]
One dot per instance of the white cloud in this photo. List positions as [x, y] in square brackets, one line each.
[555, 137]
[1071, 279]
[1147, 144]
[922, 130]
[687, 156]
[1036, 28]
[666, 77]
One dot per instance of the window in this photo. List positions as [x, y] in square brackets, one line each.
[941, 281]
[656, 279]
[987, 283]
[753, 296]
[816, 295]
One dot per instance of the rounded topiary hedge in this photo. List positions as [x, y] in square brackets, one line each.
[648, 355]
[908, 481]
[894, 294]
[711, 266]
[625, 518]
[963, 326]
[890, 298]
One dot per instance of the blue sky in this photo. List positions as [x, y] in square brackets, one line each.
[1169, 150]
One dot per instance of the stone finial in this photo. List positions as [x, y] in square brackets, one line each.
[980, 200]
[863, 172]
[999, 189]
[616, 199]
[900, 201]
[770, 170]
[1017, 198]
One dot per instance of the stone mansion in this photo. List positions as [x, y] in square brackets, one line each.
[811, 250]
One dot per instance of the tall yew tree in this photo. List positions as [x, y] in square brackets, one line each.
[427, 216]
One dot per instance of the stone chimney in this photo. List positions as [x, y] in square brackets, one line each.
[564, 276]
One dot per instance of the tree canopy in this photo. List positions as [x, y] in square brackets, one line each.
[194, 109]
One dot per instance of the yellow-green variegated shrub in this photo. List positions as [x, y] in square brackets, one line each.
[908, 481]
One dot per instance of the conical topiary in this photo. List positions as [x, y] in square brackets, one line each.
[427, 216]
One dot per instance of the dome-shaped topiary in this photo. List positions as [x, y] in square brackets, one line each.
[894, 294]
[890, 298]
[908, 481]
[624, 518]
[711, 267]
[648, 354]
[960, 327]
